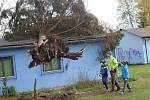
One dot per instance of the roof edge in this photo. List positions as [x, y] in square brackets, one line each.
[131, 33]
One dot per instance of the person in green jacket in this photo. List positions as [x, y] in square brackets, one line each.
[112, 64]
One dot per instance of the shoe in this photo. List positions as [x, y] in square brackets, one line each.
[121, 92]
[112, 90]
[130, 90]
[118, 89]
[107, 90]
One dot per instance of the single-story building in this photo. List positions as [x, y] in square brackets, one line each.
[14, 62]
[134, 46]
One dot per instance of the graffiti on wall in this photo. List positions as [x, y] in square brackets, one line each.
[132, 55]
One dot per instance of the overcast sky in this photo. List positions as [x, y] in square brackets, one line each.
[105, 10]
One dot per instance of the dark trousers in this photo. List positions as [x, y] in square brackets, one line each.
[126, 84]
[114, 81]
[104, 80]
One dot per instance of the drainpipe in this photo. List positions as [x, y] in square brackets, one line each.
[146, 50]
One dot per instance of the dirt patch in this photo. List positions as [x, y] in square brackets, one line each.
[48, 96]
[69, 96]
[61, 96]
[7, 98]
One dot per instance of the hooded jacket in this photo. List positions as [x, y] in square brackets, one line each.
[112, 63]
[125, 72]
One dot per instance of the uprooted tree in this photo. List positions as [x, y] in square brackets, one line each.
[45, 22]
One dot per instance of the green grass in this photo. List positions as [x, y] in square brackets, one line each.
[94, 90]
[141, 86]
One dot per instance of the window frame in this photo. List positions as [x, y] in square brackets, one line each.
[13, 67]
[61, 69]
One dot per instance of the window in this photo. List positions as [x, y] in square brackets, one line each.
[53, 65]
[6, 66]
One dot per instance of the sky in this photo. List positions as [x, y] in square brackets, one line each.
[105, 10]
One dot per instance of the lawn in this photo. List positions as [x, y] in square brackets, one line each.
[94, 90]
[140, 82]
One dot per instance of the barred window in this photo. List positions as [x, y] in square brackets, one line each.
[53, 65]
[6, 66]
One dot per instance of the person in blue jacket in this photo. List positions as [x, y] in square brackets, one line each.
[104, 74]
[125, 76]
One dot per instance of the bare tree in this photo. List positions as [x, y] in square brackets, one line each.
[5, 15]
[1, 6]
[144, 12]
[127, 13]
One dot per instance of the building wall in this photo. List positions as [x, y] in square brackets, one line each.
[24, 77]
[131, 49]
[148, 49]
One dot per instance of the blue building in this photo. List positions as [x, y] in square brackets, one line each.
[134, 46]
[14, 62]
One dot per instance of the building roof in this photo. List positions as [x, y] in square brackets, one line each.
[84, 38]
[28, 43]
[141, 32]
[15, 44]
[4, 44]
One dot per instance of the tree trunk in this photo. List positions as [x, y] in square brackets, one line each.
[35, 92]
[41, 38]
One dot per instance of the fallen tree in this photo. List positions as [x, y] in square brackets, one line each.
[51, 48]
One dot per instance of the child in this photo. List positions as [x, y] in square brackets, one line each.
[103, 72]
[125, 76]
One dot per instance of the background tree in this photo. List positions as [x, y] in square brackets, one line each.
[1, 7]
[51, 17]
[127, 10]
[5, 15]
[144, 12]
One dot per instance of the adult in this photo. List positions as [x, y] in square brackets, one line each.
[112, 64]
